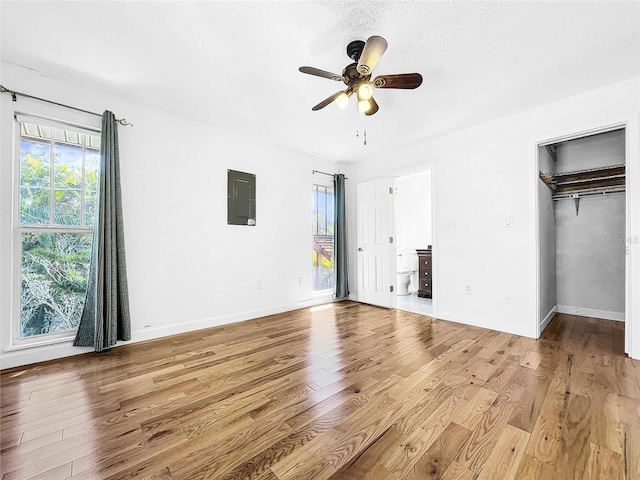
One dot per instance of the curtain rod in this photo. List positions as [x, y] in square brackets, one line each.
[325, 173]
[121, 121]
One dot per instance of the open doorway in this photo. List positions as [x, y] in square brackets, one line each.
[582, 223]
[414, 239]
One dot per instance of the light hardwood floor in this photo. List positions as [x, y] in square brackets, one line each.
[347, 391]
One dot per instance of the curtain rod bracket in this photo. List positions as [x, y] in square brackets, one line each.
[123, 121]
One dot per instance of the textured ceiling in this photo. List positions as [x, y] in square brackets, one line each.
[234, 64]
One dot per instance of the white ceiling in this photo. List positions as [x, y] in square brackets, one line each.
[235, 64]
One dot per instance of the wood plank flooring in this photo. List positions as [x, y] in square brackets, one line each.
[345, 391]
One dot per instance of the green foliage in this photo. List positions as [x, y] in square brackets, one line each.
[68, 186]
[55, 265]
[54, 280]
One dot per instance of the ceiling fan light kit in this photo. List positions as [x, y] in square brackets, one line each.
[342, 100]
[357, 76]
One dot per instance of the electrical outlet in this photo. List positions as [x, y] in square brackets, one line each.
[259, 284]
[301, 281]
[467, 289]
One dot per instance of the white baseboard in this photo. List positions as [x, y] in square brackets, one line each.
[590, 312]
[548, 318]
[166, 330]
[36, 354]
[522, 330]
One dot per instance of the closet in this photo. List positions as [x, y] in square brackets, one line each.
[581, 197]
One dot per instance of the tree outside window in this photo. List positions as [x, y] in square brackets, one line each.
[57, 195]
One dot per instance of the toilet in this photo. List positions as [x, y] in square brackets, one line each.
[404, 271]
[403, 281]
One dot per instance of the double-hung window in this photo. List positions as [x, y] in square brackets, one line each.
[57, 178]
[323, 227]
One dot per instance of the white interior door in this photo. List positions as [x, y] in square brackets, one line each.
[376, 259]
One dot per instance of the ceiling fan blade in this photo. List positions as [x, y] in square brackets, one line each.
[321, 73]
[373, 107]
[372, 52]
[327, 101]
[402, 80]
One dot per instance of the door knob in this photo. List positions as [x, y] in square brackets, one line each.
[360, 249]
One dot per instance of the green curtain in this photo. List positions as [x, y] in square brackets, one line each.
[105, 318]
[340, 239]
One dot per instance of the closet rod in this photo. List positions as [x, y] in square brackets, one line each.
[3, 89]
[568, 195]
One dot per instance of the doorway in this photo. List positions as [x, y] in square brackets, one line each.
[414, 240]
[582, 225]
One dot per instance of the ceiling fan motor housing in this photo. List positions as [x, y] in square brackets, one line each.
[354, 50]
[350, 74]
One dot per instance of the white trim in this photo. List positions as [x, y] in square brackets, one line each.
[65, 349]
[590, 312]
[547, 320]
[54, 122]
[327, 292]
[522, 330]
[410, 172]
[319, 182]
[631, 317]
[18, 229]
[35, 344]
[534, 210]
[593, 130]
[166, 330]
[632, 227]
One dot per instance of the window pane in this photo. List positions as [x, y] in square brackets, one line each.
[34, 181]
[315, 209]
[322, 217]
[329, 211]
[323, 256]
[54, 281]
[91, 166]
[67, 206]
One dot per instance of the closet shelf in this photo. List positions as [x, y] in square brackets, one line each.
[586, 182]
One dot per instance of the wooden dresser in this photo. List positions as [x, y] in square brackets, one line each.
[425, 279]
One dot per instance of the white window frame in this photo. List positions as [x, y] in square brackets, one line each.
[326, 291]
[18, 229]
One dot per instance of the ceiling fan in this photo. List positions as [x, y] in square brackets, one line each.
[357, 76]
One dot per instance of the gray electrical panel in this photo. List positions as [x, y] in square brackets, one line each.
[241, 198]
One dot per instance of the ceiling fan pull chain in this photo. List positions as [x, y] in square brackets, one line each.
[365, 137]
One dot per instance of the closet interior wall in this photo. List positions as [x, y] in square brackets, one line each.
[589, 246]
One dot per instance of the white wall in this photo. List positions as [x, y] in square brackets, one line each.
[413, 210]
[187, 268]
[488, 173]
[594, 151]
[547, 235]
[590, 256]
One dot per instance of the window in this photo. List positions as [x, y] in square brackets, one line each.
[323, 255]
[57, 187]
